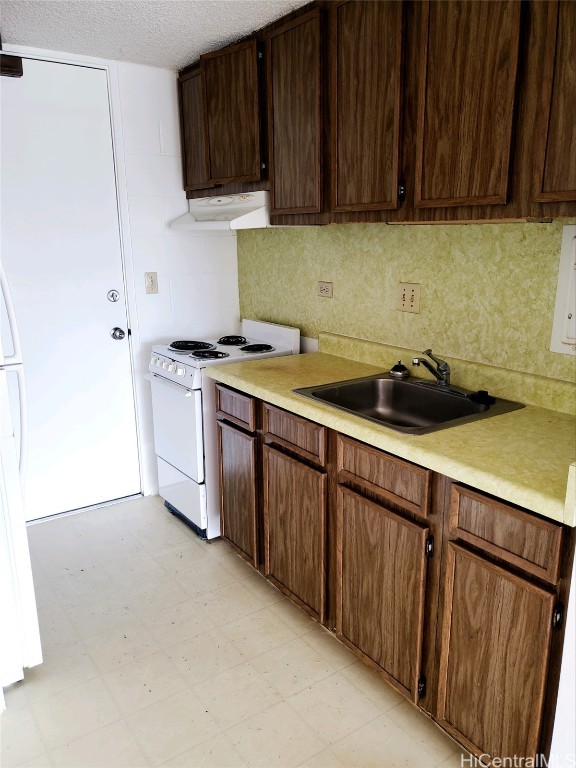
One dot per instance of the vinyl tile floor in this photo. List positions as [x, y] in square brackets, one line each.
[163, 650]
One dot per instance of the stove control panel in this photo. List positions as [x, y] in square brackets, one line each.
[168, 369]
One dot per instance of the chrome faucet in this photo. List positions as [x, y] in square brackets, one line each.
[442, 370]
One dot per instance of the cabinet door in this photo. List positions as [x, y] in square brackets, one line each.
[496, 631]
[466, 102]
[555, 163]
[366, 48]
[238, 490]
[295, 116]
[194, 146]
[232, 113]
[295, 529]
[381, 577]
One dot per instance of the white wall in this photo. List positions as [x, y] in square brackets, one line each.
[197, 273]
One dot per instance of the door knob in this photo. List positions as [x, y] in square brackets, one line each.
[117, 333]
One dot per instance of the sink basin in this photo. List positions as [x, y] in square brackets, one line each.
[410, 405]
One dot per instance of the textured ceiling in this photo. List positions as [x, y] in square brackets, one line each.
[161, 33]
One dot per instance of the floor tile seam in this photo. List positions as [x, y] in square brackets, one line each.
[226, 731]
[103, 672]
[50, 752]
[367, 721]
[124, 715]
[262, 653]
[29, 711]
[29, 708]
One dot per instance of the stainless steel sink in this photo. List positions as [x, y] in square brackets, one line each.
[409, 405]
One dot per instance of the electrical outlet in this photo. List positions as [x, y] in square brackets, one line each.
[408, 297]
[325, 289]
[151, 282]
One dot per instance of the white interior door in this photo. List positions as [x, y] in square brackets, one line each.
[60, 249]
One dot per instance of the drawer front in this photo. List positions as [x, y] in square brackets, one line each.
[398, 481]
[235, 407]
[518, 537]
[304, 437]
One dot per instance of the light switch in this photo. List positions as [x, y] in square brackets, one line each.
[151, 282]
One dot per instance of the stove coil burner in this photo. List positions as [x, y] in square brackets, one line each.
[257, 348]
[232, 341]
[189, 346]
[209, 354]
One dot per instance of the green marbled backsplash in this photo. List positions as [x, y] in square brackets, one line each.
[488, 290]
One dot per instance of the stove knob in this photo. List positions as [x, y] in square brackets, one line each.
[180, 371]
[171, 368]
[165, 365]
[153, 360]
[159, 362]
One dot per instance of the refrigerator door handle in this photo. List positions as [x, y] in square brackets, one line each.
[22, 458]
[6, 298]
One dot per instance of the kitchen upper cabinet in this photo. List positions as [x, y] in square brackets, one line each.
[195, 147]
[555, 148]
[366, 79]
[232, 115]
[295, 94]
[381, 567]
[220, 120]
[466, 102]
[494, 660]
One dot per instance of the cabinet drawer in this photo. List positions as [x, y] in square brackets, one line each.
[304, 437]
[235, 407]
[515, 536]
[396, 480]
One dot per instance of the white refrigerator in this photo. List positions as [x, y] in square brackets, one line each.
[19, 638]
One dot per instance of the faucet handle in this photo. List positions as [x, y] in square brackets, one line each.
[442, 364]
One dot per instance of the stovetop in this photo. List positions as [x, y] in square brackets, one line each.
[181, 365]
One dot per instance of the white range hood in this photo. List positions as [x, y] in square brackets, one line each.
[250, 210]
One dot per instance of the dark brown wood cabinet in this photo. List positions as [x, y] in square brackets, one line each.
[239, 472]
[194, 144]
[494, 659]
[295, 505]
[365, 104]
[456, 598]
[220, 121]
[381, 587]
[232, 116]
[466, 102]
[555, 146]
[295, 529]
[295, 113]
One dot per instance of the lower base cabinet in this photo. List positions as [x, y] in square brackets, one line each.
[348, 533]
[495, 649]
[295, 529]
[381, 567]
[238, 475]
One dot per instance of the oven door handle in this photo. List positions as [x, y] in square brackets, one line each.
[156, 377]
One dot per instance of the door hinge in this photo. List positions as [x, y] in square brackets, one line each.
[557, 616]
[429, 547]
[422, 686]
[401, 192]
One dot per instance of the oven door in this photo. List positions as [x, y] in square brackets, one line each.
[178, 429]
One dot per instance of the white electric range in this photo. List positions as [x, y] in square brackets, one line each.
[184, 415]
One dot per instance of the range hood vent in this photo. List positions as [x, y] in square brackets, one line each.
[250, 210]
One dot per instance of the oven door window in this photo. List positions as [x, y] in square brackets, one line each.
[178, 430]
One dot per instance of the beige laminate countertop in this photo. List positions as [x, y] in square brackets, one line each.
[527, 457]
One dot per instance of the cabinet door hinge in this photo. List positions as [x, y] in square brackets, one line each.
[557, 616]
[401, 192]
[422, 686]
[429, 547]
